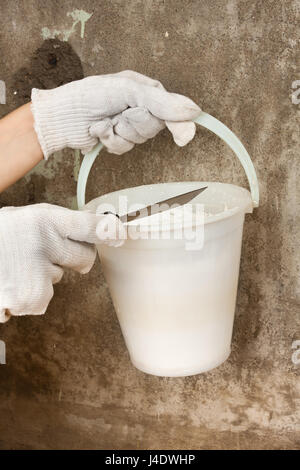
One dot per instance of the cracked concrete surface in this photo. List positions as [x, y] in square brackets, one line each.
[68, 382]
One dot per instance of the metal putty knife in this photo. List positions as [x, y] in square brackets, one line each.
[161, 206]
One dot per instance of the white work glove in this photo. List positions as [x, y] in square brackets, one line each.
[120, 110]
[37, 242]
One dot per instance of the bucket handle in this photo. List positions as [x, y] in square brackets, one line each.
[205, 120]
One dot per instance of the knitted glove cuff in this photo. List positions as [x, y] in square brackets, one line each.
[60, 121]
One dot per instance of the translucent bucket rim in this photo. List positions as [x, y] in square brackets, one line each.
[245, 203]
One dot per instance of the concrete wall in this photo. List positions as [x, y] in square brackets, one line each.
[68, 382]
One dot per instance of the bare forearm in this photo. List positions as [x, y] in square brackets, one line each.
[20, 150]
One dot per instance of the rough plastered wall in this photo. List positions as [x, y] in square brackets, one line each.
[68, 382]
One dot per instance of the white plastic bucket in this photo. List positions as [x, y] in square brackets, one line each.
[176, 306]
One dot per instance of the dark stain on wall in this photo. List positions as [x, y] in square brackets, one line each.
[53, 64]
